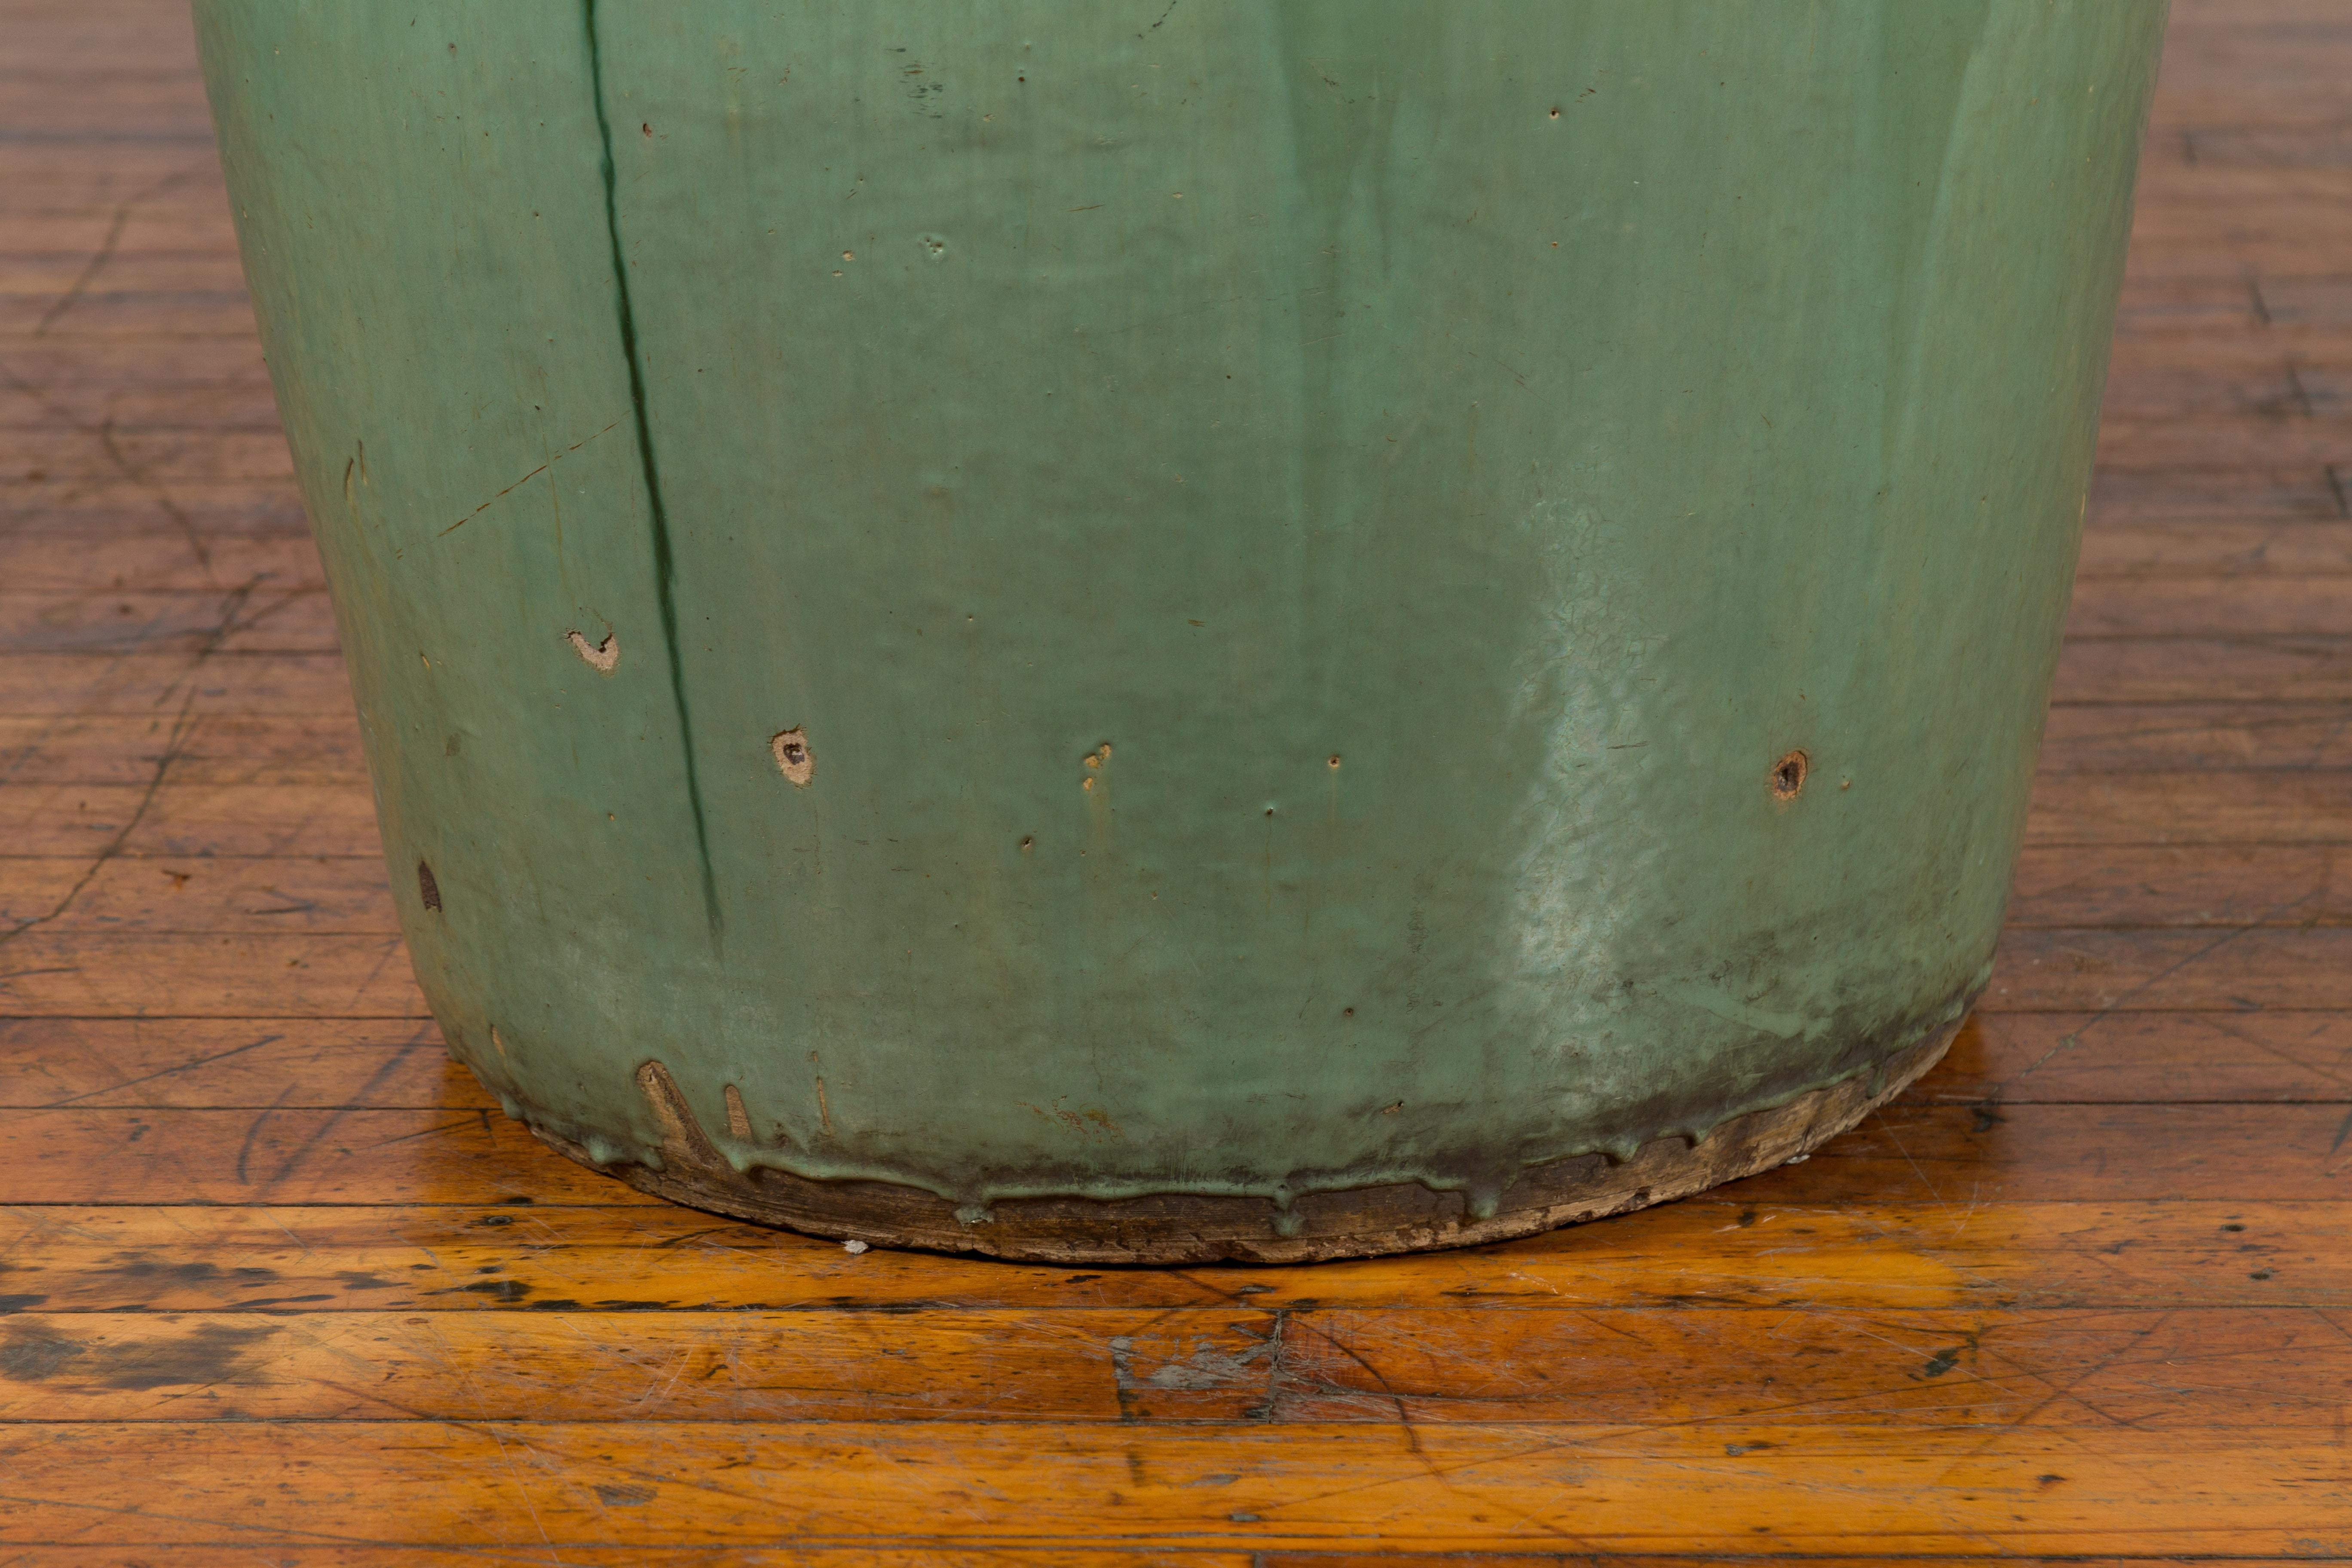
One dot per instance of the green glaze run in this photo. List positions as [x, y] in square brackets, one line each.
[1293, 535]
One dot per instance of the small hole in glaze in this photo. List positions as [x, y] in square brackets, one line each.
[1789, 775]
[427, 889]
[601, 657]
[794, 760]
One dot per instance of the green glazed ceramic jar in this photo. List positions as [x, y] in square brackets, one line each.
[1156, 631]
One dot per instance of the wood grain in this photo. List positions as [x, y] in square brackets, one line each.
[796, 1554]
[1578, 1487]
[2138, 670]
[2201, 885]
[2169, 1056]
[277, 1282]
[1740, 1248]
[2190, 1370]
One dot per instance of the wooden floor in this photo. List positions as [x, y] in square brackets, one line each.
[282, 1287]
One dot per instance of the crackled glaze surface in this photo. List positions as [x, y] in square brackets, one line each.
[1240, 600]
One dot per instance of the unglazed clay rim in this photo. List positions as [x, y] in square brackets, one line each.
[1189, 1228]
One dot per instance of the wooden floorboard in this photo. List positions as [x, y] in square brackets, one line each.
[278, 1284]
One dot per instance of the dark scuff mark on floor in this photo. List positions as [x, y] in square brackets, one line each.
[209, 1353]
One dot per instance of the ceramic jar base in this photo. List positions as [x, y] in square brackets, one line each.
[1187, 1228]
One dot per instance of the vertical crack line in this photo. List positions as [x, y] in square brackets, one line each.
[664, 569]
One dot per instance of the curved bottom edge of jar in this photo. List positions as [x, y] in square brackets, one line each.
[1185, 1228]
